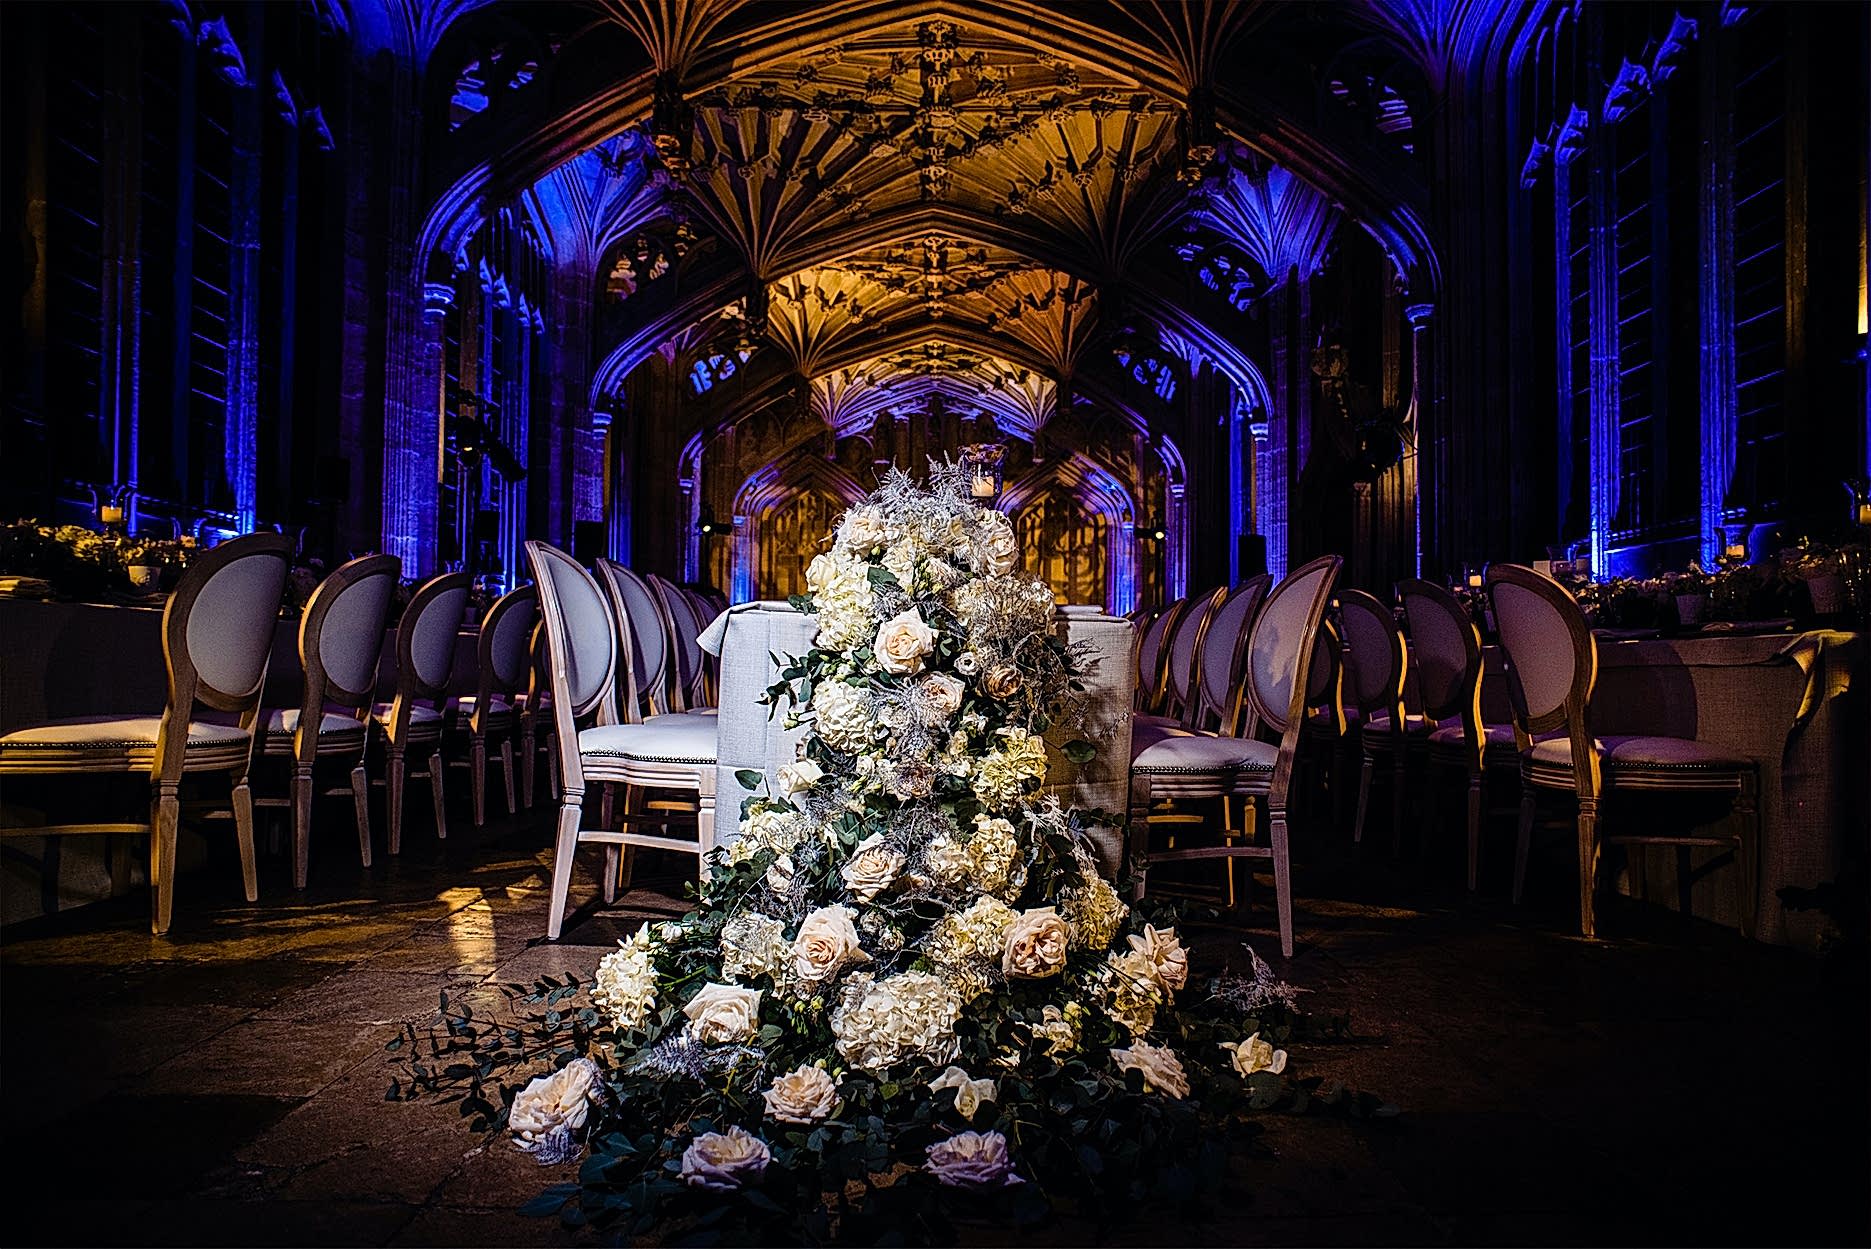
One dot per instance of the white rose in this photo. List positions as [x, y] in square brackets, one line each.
[1254, 1055]
[723, 1162]
[554, 1103]
[863, 530]
[1165, 954]
[724, 1012]
[943, 694]
[820, 573]
[871, 869]
[807, 1096]
[969, 1094]
[902, 641]
[1000, 546]
[967, 663]
[1036, 944]
[972, 1160]
[797, 778]
[827, 941]
[900, 560]
[780, 874]
[1162, 1070]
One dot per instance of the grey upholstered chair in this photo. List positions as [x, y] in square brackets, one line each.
[1153, 658]
[501, 677]
[1377, 667]
[412, 722]
[672, 752]
[217, 634]
[1177, 763]
[1552, 664]
[340, 644]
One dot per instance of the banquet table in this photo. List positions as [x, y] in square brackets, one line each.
[1799, 704]
[753, 641]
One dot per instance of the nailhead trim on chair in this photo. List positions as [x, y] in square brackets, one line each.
[621, 754]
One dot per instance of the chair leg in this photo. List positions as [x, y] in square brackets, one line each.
[529, 764]
[1588, 867]
[611, 857]
[705, 819]
[627, 860]
[1364, 798]
[1523, 843]
[506, 769]
[360, 799]
[1282, 877]
[1747, 856]
[1474, 827]
[1396, 804]
[477, 769]
[301, 825]
[552, 765]
[1139, 836]
[438, 770]
[162, 829]
[571, 809]
[243, 836]
[607, 806]
[394, 768]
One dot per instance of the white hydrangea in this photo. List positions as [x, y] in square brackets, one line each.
[977, 933]
[766, 829]
[909, 1016]
[844, 716]
[846, 608]
[624, 986]
[1126, 987]
[753, 945]
[1094, 912]
[1006, 773]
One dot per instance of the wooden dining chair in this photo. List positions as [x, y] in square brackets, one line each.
[340, 645]
[535, 707]
[1445, 654]
[674, 752]
[1551, 666]
[1218, 692]
[1330, 722]
[1173, 762]
[1153, 658]
[644, 684]
[1376, 668]
[501, 675]
[217, 635]
[689, 662]
[413, 720]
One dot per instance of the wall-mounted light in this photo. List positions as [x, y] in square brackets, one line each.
[1154, 531]
[709, 527]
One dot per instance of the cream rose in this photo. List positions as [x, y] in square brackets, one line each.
[969, 1094]
[942, 695]
[972, 1160]
[863, 530]
[724, 1012]
[1253, 1055]
[806, 1096]
[820, 573]
[1162, 1070]
[780, 874]
[902, 642]
[1167, 958]
[871, 869]
[724, 1161]
[827, 942]
[1036, 944]
[556, 1103]
[796, 778]
[1002, 681]
[999, 546]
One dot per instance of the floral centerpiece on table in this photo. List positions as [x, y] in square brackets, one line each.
[905, 977]
[82, 563]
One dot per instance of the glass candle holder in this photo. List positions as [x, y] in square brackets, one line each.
[986, 462]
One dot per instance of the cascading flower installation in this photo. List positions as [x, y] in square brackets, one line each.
[905, 975]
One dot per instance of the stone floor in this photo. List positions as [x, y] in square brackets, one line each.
[225, 1085]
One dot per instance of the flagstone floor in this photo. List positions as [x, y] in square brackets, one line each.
[225, 1085]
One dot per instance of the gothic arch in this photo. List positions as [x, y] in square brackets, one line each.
[761, 499]
[1098, 493]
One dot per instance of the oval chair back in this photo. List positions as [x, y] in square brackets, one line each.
[1185, 648]
[1325, 679]
[1152, 656]
[425, 644]
[686, 652]
[1218, 667]
[217, 630]
[504, 652]
[1281, 649]
[702, 613]
[1445, 650]
[651, 640]
[1375, 657]
[341, 642]
[1551, 657]
[581, 653]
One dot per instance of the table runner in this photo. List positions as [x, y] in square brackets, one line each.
[754, 639]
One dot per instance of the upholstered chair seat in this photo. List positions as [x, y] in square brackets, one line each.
[464, 705]
[1637, 762]
[675, 738]
[422, 720]
[284, 722]
[1178, 751]
[1377, 732]
[121, 744]
[1495, 737]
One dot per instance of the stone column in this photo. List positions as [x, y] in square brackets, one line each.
[242, 430]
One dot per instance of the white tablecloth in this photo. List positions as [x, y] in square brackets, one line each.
[754, 640]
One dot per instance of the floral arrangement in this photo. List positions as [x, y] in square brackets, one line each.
[905, 983]
[83, 563]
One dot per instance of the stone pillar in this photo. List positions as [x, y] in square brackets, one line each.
[1715, 296]
[1426, 398]
[242, 430]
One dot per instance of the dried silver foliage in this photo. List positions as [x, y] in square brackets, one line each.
[1255, 992]
[680, 1056]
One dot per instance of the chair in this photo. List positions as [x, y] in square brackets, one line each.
[1179, 764]
[1551, 665]
[690, 668]
[340, 643]
[1329, 722]
[1377, 664]
[644, 688]
[1445, 653]
[1217, 700]
[425, 656]
[501, 676]
[676, 752]
[217, 635]
[535, 707]
[1152, 658]
[1179, 664]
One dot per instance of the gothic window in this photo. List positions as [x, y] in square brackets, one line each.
[1063, 544]
[712, 368]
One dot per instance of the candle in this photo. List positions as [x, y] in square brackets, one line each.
[1737, 551]
[110, 514]
[983, 487]
[1864, 513]
[1474, 581]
